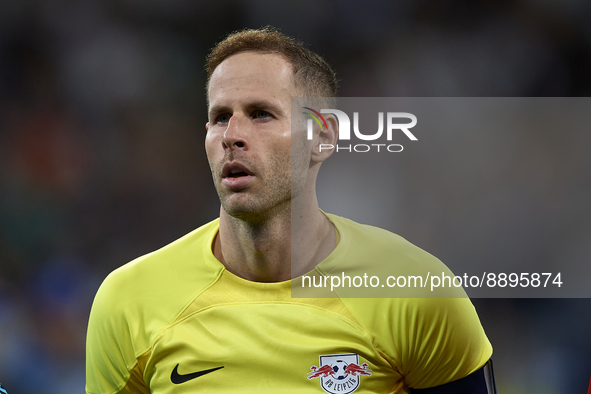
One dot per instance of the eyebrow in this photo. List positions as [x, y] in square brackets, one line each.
[255, 104]
[218, 109]
[264, 104]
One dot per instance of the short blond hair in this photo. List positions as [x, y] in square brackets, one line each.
[312, 74]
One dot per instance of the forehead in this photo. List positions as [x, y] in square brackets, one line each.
[251, 74]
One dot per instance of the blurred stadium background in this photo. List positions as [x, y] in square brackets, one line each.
[102, 117]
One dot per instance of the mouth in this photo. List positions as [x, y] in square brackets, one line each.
[235, 170]
[236, 175]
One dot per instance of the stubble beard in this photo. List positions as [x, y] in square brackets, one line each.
[270, 194]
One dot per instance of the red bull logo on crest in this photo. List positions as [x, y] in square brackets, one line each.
[339, 373]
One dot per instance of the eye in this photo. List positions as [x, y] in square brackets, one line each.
[223, 118]
[260, 114]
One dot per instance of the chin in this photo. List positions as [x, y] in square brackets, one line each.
[239, 209]
[250, 212]
[245, 215]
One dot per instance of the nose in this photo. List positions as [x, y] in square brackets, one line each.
[235, 134]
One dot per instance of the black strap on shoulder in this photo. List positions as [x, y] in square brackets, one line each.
[479, 382]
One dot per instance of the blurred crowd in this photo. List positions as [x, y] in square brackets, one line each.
[102, 116]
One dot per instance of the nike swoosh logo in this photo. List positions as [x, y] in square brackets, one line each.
[177, 378]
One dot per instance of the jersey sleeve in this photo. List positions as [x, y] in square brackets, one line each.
[429, 341]
[111, 363]
[442, 341]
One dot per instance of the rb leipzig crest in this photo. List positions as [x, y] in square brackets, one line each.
[339, 373]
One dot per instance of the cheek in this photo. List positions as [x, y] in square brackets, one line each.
[300, 156]
[299, 145]
[209, 145]
[213, 158]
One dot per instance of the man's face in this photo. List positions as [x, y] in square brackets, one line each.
[248, 139]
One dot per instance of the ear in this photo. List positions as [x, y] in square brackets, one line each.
[326, 142]
[207, 126]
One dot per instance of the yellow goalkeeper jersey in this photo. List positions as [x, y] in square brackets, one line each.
[176, 321]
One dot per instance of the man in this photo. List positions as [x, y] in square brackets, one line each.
[212, 312]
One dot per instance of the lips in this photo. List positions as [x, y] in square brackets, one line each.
[234, 170]
[236, 175]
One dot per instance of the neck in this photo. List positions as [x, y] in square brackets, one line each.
[285, 245]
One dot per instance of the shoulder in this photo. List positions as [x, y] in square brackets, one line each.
[375, 251]
[168, 269]
[364, 230]
[151, 290]
[171, 262]
[370, 239]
